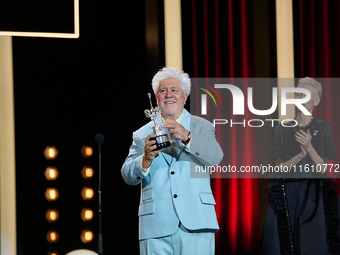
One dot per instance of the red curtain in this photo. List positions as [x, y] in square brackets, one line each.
[317, 54]
[220, 35]
[218, 42]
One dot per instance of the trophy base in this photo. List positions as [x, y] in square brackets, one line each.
[162, 141]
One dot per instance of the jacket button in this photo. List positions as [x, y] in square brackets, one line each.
[175, 195]
[172, 172]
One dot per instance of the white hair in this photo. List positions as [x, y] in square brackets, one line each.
[315, 84]
[171, 73]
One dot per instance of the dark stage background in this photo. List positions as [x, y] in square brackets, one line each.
[68, 90]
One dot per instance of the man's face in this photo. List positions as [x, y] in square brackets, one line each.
[171, 98]
[313, 101]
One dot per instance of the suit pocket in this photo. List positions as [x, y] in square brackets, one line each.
[145, 209]
[207, 198]
[147, 195]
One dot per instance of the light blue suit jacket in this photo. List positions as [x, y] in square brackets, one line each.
[168, 194]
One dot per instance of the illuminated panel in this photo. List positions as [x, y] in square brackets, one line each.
[51, 173]
[51, 194]
[39, 18]
[86, 236]
[50, 152]
[87, 193]
[8, 243]
[173, 33]
[86, 151]
[87, 172]
[52, 236]
[285, 51]
[52, 215]
[86, 214]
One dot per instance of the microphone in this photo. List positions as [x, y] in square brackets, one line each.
[99, 138]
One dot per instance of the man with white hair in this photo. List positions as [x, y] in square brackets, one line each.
[176, 212]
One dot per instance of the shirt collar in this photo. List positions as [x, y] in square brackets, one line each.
[180, 118]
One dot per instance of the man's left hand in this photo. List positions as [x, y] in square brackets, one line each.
[176, 130]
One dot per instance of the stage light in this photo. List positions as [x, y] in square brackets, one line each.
[87, 193]
[52, 253]
[52, 236]
[51, 194]
[86, 151]
[87, 172]
[51, 173]
[86, 236]
[50, 152]
[52, 215]
[86, 214]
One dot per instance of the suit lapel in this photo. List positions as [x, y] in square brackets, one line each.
[167, 155]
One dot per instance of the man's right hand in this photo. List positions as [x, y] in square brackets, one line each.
[149, 153]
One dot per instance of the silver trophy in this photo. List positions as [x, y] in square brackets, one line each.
[162, 140]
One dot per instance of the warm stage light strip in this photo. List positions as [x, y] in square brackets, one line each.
[173, 33]
[284, 39]
[285, 50]
[8, 244]
[51, 35]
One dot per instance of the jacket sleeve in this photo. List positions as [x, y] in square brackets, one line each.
[132, 168]
[205, 147]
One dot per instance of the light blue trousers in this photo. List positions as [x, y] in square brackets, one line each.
[182, 242]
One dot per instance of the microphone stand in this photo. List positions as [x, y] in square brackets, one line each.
[100, 139]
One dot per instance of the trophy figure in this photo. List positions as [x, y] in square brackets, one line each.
[162, 140]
